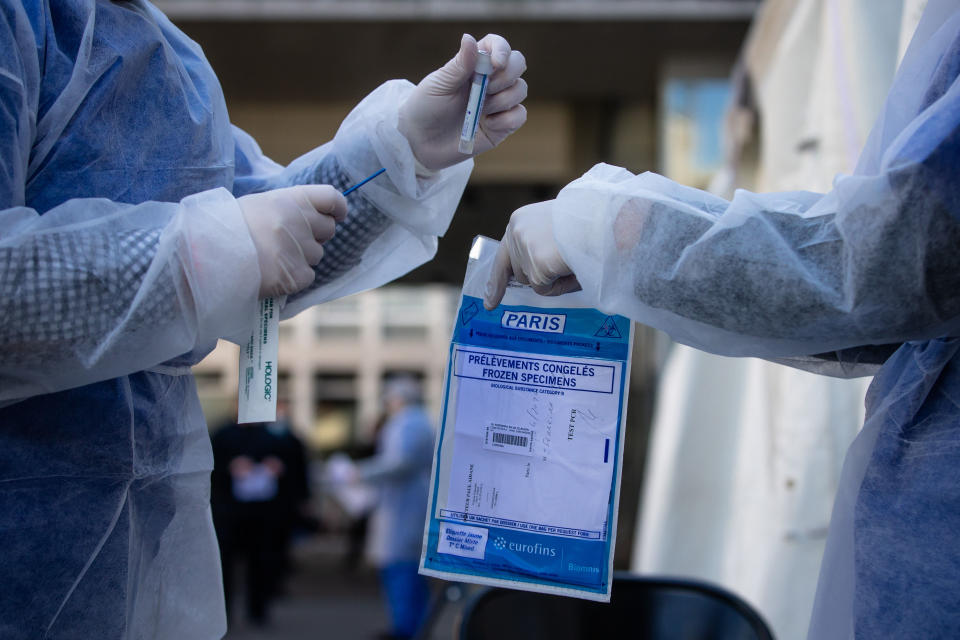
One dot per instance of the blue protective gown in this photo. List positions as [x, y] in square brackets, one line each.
[400, 471]
[123, 258]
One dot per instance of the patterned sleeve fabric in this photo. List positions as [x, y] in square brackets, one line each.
[363, 225]
[65, 288]
[70, 288]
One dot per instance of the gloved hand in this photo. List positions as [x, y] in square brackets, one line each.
[288, 227]
[432, 116]
[529, 252]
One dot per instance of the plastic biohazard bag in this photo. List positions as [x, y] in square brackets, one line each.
[526, 473]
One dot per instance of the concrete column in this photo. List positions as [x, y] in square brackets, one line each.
[301, 372]
[369, 364]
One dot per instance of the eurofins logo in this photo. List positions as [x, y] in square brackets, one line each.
[527, 321]
[500, 543]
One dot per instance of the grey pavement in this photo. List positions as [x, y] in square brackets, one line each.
[324, 601]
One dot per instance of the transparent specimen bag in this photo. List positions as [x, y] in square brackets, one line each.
[526, 472]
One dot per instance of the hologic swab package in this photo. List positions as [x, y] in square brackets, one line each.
[526, 471]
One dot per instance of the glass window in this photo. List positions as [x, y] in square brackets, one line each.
[336, 331]
[693, 104]
[335, 403]
[404, 332]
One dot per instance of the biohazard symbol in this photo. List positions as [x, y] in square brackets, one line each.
[608, 329]
[468, 313]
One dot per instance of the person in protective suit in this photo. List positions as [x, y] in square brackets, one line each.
[138, 226]
[399, 471]
[863, 278]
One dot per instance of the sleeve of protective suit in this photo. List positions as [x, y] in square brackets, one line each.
[406, 449]
[872, 262]
[94, 289]
[394, 221]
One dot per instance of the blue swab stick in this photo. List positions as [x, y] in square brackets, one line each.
[364, 181]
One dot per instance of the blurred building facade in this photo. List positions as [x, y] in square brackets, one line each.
[335, 357]
[637, 83]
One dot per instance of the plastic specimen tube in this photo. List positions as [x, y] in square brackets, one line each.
[478, 91]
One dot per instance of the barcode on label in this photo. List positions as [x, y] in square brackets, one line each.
[506, 438]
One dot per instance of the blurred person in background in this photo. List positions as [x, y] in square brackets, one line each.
[745, 454]
[864, 278]
[400, 473]
[251, 472]
[360, 521]
[137, 227]
[293, 491]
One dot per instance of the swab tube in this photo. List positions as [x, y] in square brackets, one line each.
[478, 91]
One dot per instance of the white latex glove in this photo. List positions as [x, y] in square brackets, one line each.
[288, 227]
[529, 253]
[432, 116]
